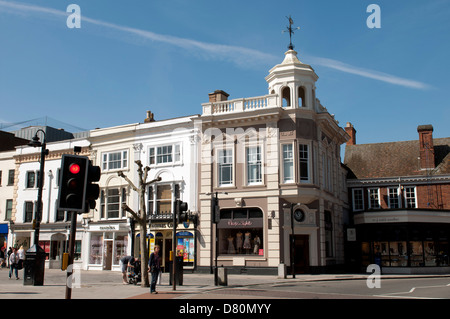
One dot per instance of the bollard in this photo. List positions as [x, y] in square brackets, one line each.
[282, 271]
[222, 276]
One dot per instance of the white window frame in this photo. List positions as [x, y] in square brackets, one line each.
[105, 202]
[406, 197]
[123, 160]
[261, 163]
[399, 198]
[219, 164]
[290, 160]
[156, 152]
[370, 199]
[308, 162]
[355, 209]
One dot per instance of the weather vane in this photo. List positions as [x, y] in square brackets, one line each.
[291, 32]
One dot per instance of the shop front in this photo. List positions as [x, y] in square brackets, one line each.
[108, 243]
[405, 247]
[240, 238]
[161, 235]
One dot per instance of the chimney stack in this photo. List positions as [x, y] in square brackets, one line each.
[149, 117]
[218, 96]
[352, 132]
[426, 146]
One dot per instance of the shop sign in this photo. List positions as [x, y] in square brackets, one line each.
[241, 223]
[104, 227]
[351, 234]
[244, 223]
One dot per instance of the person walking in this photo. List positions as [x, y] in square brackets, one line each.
[13, 260]
[154, 267]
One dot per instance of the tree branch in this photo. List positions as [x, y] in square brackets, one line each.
[152, 181]
[121, 174]
[132, 212]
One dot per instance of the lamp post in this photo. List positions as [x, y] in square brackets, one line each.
[214, 207]
[35, 271]
[292, 236]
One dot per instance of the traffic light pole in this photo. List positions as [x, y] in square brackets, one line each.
[73, 231]
[174, 246]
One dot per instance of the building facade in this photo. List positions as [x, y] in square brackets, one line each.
[399, 194]
[265, 158]
[169, 149]
[55, 225]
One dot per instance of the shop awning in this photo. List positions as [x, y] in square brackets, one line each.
[3, 228]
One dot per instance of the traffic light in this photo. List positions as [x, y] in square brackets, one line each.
[76, 191]
[181, 211]
[92, 190]
[215, 210]
[72, 183]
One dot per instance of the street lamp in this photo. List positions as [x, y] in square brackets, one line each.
[35, 271]
[285, 205]
[214, 207]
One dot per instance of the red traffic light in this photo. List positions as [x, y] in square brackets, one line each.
[74, 168]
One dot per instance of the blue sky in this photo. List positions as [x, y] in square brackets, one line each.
[166, 56]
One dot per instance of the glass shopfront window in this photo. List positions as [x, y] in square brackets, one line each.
[398, 254]
[120, 248]
[428, 253]
[416, 253]
[107, 248]
[95, 256]
[240, 232]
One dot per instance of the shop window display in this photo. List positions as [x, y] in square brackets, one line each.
[442, 256]
[240, 232]
[416, 253]
[430, 253]
[120, 248]
[95, 257]
[241, 242]
[398, 253]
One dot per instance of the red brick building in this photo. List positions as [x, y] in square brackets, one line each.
[399, 196]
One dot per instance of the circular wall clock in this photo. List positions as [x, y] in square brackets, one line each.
[299, 215]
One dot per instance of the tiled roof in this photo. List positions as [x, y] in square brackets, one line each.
[394, 159]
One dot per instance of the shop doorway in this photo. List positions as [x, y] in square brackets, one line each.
[107, 254]
[301, 255]
[167, 250]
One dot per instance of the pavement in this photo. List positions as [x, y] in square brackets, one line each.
[108, 285]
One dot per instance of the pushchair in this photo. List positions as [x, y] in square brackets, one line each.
[134, 273]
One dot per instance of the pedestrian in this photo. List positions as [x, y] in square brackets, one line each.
[21, 255]
[154, 267]
[2, 257]
[13, 260]
[9, 254]
[127, 261]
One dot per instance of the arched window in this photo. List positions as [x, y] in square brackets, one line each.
[301, 96]
[286, 96]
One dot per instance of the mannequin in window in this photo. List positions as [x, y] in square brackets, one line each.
[257, 243]
[231, 249]
[239, 242]
[247, 244]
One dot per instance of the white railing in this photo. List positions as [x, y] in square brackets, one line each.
[240, 105]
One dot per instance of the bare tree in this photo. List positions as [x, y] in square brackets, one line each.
[141, 216]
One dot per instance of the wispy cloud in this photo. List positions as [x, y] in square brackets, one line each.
[241, 56]
[376, 75]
